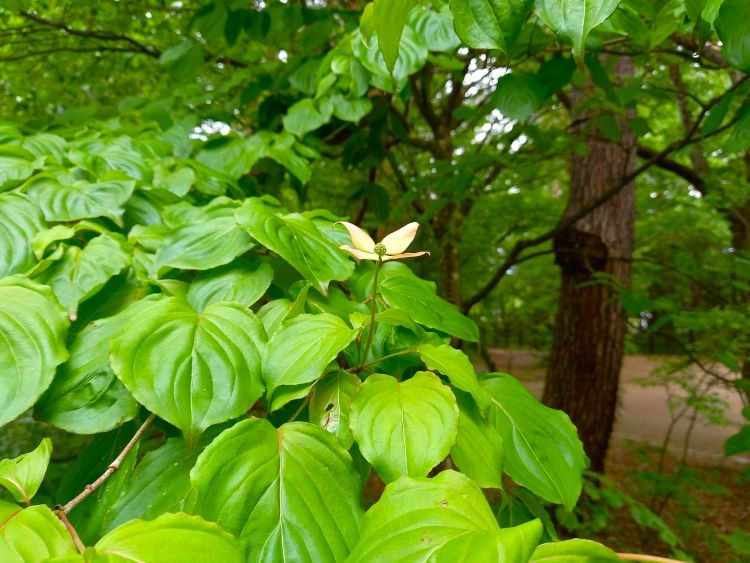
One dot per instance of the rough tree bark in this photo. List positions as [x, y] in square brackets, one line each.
[594, 259]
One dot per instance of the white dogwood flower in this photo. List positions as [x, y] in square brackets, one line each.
[390, 248]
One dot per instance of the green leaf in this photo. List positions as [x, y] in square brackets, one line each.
[478, 451]
[33, 329]
[212, 239]
[445, 518]
[192, 369]
[183, 60]
[232, 156]
[16, 164]
[32, 534]
[243, 281]
[517, 96]
[297, 240]
[70, 201]
[573, 551]
[389, 19]
[738, 443]
[542, 449]
[86, 397]
[80, 273]
[436, 29]
[732, 28]
[288, 494]
[20, 220]
[171, 538]
[489, 24]
[403, 290]
[331, 404]
[575, 19]
[306, 116]
[298, 353]
[160, 484]
[667, 20]
[457, 367]
[23, 475]
[404, 428]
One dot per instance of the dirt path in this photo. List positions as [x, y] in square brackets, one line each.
[643, 414]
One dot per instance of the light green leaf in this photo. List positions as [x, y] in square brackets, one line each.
[32, 329]
[436, 29]
[32, 534]
[273, 313]
[389, 19]
[20, 221]
[159, 484]
[288, 494]
[350, 110]
[478, 451]
[404, 428]
[46, 145]
[331, 404]
[233, 156]
[457, 367]
[667, 20]
[297, 240]
[210, 240]
[192, 369]
[298, 353]
[16, 164]
[23, 475]
[443, 519]
[243, 281]
[573, 551]
[86, 397]
[732, 27]
[71, 201]
[489, 24]
[575, 19]
[542, 449]
[306, 116]
[171, 538]
[80, 273]
[402, 289]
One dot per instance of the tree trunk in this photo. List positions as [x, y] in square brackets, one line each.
[594, 258]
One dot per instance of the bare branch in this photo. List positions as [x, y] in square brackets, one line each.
[114, 466]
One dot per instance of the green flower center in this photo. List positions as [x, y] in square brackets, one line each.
[379, 249]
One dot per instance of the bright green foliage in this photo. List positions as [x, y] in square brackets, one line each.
[167, 253]
[445, 518]
[575, 19]
[299, 352]
[32, 534]
[20, 220]
[171, 538]
[489, 24]
[542, 450]
[287, 493]
[404, 428]
[192, 369]
[331, 404]
[32, 329]
[478, 451]
[573, 551]
[23, 475]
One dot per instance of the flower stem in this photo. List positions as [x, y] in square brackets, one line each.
[373, 312]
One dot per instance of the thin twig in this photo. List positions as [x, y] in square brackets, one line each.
[654, 558]
[373, 311]
[60, 513]
[114, 466]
